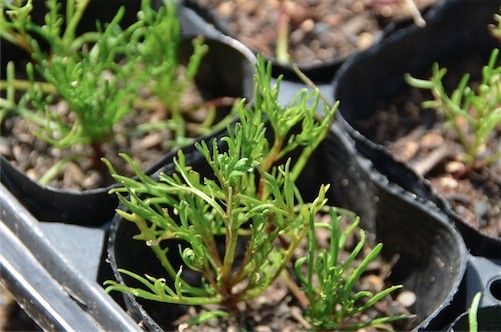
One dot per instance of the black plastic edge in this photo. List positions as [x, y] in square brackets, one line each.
[419, 203]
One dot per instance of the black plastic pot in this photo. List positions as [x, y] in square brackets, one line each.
[455, 30]
[226, 70]
[319, 71]
[432, 254]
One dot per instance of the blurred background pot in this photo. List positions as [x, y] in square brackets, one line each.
[321, 34]
[458, 30]
[226, 71]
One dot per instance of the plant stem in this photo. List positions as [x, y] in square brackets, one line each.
[26, 85]
[56, 169]
[98, 153]
[245, 261]
[282, 52]
[149, 235]
[306, 80]
[472, 314]
[69, 33]
[294, 289]
[268, 162]
[231, 244]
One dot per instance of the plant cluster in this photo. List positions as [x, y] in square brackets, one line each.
[330, 283]
[98, 74]
[473, 115]
[251, 198]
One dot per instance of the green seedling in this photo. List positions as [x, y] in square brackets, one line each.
[97, 74]
[251, 197]
[473, 115]
[472, 314]
[329, 283]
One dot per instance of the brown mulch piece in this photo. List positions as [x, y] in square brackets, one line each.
[319, 30]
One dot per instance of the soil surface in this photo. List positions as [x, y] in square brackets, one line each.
[319, 30]
[277, 309]
[420, 138]
[34, 157]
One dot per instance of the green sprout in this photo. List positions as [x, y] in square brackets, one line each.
[330, 283]
[480, 110]
[472, 314]
[97, 74]
[251, 198]
[158, 50]
[89, 80]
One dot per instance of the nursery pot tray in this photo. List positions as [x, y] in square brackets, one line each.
[51, 289]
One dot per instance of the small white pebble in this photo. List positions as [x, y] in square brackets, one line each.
[263, 328]
[406, 298]
[448, 182]
[307, 25]
[431, 140]
[454, 166]
[364, 40]
[32, 174]
[182, 327]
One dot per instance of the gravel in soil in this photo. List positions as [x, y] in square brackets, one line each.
[420, 138]
[34, 156]
[319, 30]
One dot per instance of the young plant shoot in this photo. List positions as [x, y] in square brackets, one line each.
[473, 115]
[251, 197]
[98, 74]
[330, 284]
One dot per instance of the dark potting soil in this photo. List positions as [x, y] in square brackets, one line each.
[420, 138]
[34, 157]
[319, 30]
[277, 309]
